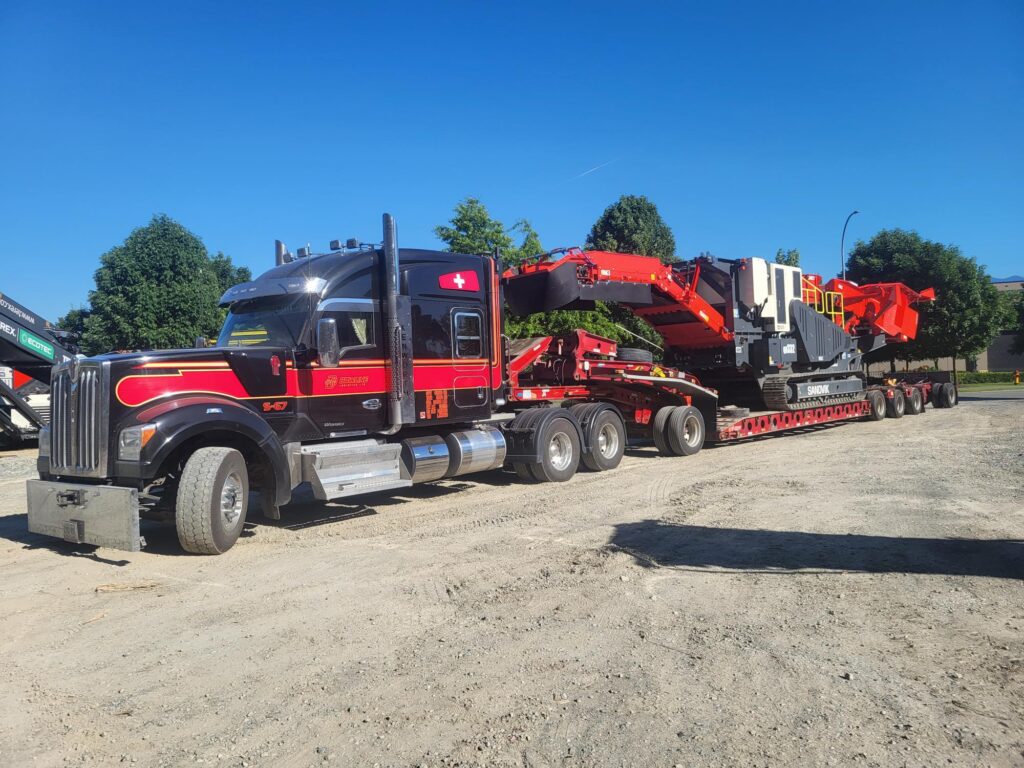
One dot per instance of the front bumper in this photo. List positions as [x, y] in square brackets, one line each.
[104, 515]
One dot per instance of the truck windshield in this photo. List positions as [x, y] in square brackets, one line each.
[265, 322]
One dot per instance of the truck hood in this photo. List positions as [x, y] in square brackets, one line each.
[140, 378]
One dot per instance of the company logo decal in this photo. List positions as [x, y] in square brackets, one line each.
[33, 342]
[459, 281]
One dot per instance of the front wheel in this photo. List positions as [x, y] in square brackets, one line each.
[213, 497]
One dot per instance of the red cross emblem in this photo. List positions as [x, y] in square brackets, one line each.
[459, 281]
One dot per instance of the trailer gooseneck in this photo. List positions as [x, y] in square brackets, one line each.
[372, 368]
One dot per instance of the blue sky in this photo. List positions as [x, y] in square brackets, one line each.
[753, 127]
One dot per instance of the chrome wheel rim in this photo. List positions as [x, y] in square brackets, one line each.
[691, 431]
[231, 499]
[560, 451]
[608, 441]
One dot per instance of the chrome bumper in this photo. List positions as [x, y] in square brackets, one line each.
[104, 515]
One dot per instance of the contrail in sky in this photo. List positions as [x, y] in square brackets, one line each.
[590, 171]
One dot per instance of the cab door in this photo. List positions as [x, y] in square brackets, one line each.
[351, 398]
[469, 359]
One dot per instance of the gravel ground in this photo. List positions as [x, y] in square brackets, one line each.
[17, 464]
[849, 596]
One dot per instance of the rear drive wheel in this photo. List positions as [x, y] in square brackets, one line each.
[877, 402]
[523, 471]
[896, 405]
[606, 435]
[560, 452]
[213, 497]
[659, 425]
[952, 396]
[685, 431]
[915, 403]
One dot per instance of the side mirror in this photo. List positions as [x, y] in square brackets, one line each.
[201, 342]
[327, 345]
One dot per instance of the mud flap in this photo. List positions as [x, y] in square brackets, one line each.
[103, 515]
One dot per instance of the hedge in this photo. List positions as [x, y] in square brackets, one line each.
[984, 377]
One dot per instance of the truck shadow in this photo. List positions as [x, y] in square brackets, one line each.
[305, 511]
[15, 528]
[657, 544]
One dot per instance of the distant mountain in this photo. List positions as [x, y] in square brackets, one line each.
[1010, 279]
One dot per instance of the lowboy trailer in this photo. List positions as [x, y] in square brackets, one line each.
[370, 368]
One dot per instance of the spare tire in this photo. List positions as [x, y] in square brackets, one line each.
[634, 355]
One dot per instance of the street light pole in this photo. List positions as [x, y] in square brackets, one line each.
[842, 243]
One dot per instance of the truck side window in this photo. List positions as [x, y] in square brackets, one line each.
[468, 334]
[357, 321]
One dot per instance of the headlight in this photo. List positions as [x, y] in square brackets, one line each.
[44, 442]
[132, 440]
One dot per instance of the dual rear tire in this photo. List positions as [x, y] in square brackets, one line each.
[678, 430]
[945, 395]
[591, 434]
[896, 405]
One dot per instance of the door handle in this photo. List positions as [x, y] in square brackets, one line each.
[372, 404]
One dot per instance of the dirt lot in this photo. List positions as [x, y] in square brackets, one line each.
[850, 596]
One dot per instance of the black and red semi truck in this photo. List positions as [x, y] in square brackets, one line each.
[371, 368]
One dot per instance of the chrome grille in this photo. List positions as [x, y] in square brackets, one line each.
[78, 419]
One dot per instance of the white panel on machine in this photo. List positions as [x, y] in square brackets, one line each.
[768, 289]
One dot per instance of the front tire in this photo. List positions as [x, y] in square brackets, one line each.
[212, 500]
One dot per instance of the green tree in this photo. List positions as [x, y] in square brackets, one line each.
[157, 290]
[966, 314]
[74, 321]
[790, 258]
[228, 274]
[529, 248]
[632, 224]
[473, 230]
[1016, 324]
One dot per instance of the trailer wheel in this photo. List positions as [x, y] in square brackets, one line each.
[896, 405]
[659, 427]
[878, 407]
[952, 396]
[606, 437]
[213, 497]
[560, 452]
[634, 355]
[940, 396]
[915, 403]
[685, 431]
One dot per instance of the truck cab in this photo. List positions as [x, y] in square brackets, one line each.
[363, 369]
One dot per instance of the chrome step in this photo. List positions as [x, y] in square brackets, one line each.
[337, 470]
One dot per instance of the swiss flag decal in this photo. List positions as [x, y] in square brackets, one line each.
[459, 281]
